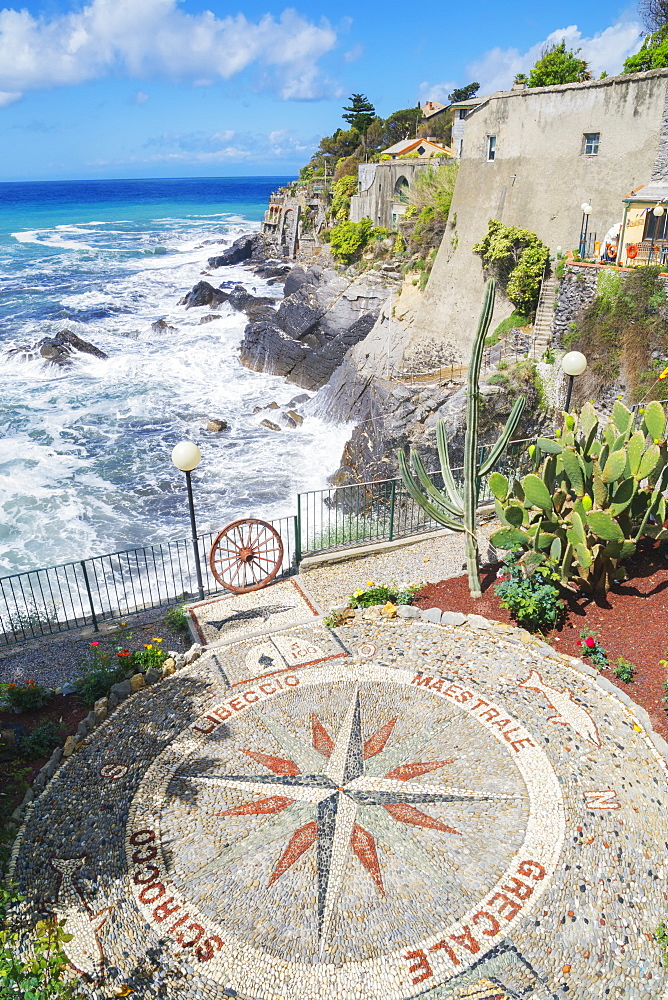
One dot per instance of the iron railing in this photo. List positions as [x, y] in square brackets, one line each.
[104, 588]
[381, 510]
[120, 584]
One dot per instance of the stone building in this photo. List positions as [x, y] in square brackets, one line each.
[530, 159]
[383, 188]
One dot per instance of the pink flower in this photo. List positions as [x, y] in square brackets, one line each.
[95, 644]
[590, 642]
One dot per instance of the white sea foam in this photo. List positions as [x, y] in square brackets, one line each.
[85, 456]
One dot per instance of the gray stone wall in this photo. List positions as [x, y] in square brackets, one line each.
[538, 180]
[577, 290]
[375, 195]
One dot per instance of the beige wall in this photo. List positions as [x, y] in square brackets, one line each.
[538, 181]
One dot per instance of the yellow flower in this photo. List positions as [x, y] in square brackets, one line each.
[156, 640]
[371, 584]
[148, 645]
[358, 593]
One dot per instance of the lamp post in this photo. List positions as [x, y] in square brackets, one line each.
[186, 456]
[657, 212]
[586, 212]
[572, 364]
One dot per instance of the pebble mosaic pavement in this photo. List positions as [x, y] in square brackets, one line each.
[423, 810]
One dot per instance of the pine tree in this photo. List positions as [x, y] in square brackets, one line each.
[361, 113]
[463, 93]
[558, 65]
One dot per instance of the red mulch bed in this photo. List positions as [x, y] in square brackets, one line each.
[632, 621]
[16, 772]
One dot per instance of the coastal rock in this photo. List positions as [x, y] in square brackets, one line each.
[216, 425]
[210, 318]
[162, 326]
[274, 270]
[58, 350]
[203, 294]
[250, 247]
[324, 313]
[243, 301]
[390, 416]
[270, 425]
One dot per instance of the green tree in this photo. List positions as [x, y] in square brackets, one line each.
[652, 55]
[401, 125]
[360, 113]
[558, 65]
[463, 93]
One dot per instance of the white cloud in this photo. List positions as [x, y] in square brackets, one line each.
[436, 91]
[141, 97]
[8, 97]
[352, 55]
[149, 38]
[224, 146]
[607, 51]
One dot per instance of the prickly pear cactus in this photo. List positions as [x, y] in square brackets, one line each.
[595, 492]
[453, 507]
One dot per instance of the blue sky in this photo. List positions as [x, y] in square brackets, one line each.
[166, 88]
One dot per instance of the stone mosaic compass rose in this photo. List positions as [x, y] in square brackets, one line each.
[340, 781]
[335, 834]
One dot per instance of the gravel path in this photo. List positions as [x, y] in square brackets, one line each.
[428, 561]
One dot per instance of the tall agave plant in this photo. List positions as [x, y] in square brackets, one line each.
[453, 507]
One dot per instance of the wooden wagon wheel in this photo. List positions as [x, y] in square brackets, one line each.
[246, 555]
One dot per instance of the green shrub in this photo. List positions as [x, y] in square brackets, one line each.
[26, 697]
[97, 682]
[533, 600]
[152, 655]
[177, 618]
[518, 258]
[41, 741]
[661, 934]
[349, 239]
[624, 670]
[379, 593]
[40, 976]
[342, 191]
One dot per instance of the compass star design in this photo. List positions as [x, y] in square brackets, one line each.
[340, 794]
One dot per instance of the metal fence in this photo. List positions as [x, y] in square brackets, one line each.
[105, 588]
[382, 511]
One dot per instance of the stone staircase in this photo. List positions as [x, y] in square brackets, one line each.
[542, 330]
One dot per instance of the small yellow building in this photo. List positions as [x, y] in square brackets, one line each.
[644, 235]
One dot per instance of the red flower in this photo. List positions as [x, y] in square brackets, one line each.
[124, 652]
[95, 644]
[590, 642]
[578, 643]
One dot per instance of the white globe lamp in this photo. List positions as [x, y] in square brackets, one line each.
[186, 456]
[572, 364]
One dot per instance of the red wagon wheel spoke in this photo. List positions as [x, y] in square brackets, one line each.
[246, 555]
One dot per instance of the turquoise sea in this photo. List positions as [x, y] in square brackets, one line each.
[85, 451]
